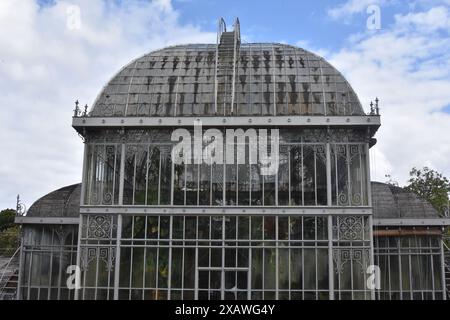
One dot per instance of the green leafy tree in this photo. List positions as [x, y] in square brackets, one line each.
[7, 218]
[431, 186]
[9, 232]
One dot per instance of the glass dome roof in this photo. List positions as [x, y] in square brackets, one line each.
[187, 80]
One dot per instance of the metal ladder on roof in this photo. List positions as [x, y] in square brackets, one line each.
[227, 55]
[9, 277]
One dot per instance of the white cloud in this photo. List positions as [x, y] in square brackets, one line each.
[435, 19]
[409, 69]
[45, 66]
[352, 7]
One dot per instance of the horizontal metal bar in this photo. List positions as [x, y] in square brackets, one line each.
[288, 121]
[182, 210]
[412, 222]
[408, 232]
[46, 220]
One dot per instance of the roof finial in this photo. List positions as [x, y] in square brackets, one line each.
[377, 109]
[85, 110]
[76, 111]
[372, 111]
[20, 207]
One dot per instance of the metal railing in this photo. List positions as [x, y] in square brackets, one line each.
[446, 262]
[3, 271]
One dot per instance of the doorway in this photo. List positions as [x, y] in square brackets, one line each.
[223, 284]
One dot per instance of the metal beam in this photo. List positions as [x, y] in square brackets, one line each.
[46, 220]
[412, 222]
[218, 211]
[278, 121]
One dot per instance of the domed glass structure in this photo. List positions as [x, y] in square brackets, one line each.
[230, 171]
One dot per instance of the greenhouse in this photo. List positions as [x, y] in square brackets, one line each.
[144, 225]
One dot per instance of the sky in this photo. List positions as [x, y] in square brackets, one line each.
[53, 52]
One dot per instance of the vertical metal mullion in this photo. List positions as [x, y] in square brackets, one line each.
[134, 174]
[399, 253]
[29, 275]
[78, 259]
[169, 273]
[315, 177]
[145, 258]
[237, 183]
[276, 178]
[103, 175]
[159, 177]
[185, 183]
[182, 271]
[222, 294]
[130, 278]
[114, 174]
[328, 168]
[60, 271]
[443, 284]
[410, 276]
[199, 168]
[172, 182]
[349, 177]
[249, 275]
[315, 257]
[303, 256]
[303, 178]
[432, 270]
[372, 255]
[51, 267]
[330, 257]
[336, 173]
[147, 168]
[196, 272]
[368, 176]
[97, 258]
[289, 177]
[122, 174]
[91, 174]
[157, 258]
[117, 261]
[84, 174]
[276, 260]
[210, 182]
[224, 178]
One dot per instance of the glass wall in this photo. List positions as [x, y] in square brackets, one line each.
[151, 177]
[47, 251]
[410, 267]
[225, 257]
[102, 174]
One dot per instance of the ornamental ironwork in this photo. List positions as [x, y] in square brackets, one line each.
[342, 256]
[100, 227]
[349, 228]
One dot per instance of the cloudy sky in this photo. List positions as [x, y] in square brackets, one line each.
[53, 52]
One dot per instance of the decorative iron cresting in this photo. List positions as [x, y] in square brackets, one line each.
[341, 256]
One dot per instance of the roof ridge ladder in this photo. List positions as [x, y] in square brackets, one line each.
[227, 53]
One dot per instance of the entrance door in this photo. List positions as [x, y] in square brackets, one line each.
[220, 284]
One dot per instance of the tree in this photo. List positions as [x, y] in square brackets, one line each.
[431, 186]
[9, 232]
[7, 219]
